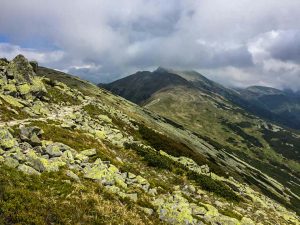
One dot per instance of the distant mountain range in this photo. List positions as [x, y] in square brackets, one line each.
[269, 103]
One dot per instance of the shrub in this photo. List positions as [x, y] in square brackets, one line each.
[215, 186]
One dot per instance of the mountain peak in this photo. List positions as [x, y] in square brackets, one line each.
[162, 69]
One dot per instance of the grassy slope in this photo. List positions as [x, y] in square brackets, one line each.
[205, 121]
[241, 135]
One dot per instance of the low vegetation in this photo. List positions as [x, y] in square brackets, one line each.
[155, 159]
[52, 199]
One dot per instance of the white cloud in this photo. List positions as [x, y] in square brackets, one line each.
[243, 41]
[9, 51]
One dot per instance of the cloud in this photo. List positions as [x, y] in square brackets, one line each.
[9, 51]
[238, 42]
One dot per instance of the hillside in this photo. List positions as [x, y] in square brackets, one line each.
[282, 103]
[140, 86]
[72, 153]
[209, 115]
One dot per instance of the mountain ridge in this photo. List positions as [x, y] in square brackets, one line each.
[237, 96]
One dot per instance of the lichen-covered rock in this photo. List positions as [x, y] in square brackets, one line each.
[174, 209]
[42, 164]
[10, 162]
[148, 211]
[39, 108]
[23, 89]
[89, 152]
[28, 170]
[20, 156]
[53, 150]
[20, 70]
[12, 101]
[72, 175]
[6, 139]
[68, 156]
[10, 89]
[100, 134]
[97, 172]
[37, 87]
[81, 157]
[34, 65]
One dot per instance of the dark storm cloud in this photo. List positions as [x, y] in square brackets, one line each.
[238, 42]
[286, 46]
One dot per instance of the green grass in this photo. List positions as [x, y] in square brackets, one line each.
[76, 139]
[154, 159]
[57, 96]
[175, 148]
[49, 199]
[8, 115]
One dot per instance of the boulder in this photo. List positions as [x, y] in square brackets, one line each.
[72, 175]
[42, 164]
[34, 65]
[12, 101]
[89, 152]
[25, 146]
[10, 162]
[28, 170]
[20, 70]
[23, 89]
[7, 141]
[97, 172]
[53, 150]
[31, 135]
[20, 156]
[34, 140]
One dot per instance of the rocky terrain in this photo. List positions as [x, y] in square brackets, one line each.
[214, 113]
[72, 153]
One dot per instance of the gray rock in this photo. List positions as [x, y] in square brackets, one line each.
[7, 141]
[27, 132]
[34, 65]
[25, 146]
[35, 141]
[20, 157]
[28, 170]
[53, 150]
[89, 152]
[10, 162]
[72, 175]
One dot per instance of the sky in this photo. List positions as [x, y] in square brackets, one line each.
[237, 42]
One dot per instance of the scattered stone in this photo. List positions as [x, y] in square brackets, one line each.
[89, 152]
[10, 162]
[72, 175]
[7, 141]
[53, 150]
[28, 170]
